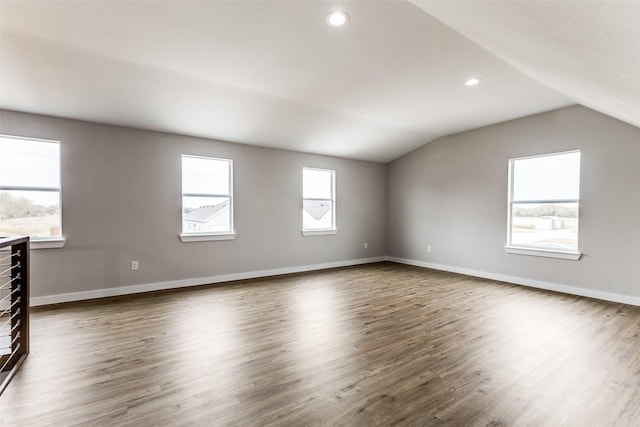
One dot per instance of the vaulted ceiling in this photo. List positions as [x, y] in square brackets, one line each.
[275, 74]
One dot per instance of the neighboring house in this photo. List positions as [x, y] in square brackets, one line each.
[317, 214]
[208, 218]
[317, 210]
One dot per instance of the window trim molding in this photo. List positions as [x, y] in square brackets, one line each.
[206, 237]
[319, 232]
[47, 243]
[548, 253]
[44, 243]
[531, 250]
[334, 227]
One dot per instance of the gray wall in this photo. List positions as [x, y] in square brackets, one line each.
[121, 197]
[452, 194]
[121, 201]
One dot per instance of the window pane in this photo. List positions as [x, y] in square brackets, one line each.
[545, 226]
[205, 176]
[206, 214]
[554, 177]
[316, 184]
[28, 163]
[33, 213]
[317, 215]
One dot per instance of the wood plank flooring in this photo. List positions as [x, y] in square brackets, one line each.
[375, 345]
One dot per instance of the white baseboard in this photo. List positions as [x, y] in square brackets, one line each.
[174, 284]
[591, 293]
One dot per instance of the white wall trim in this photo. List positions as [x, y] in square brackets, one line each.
[319, 232]
[175, 284]
[591, 293]
[205, 237]
[50, 243]
[549, 253]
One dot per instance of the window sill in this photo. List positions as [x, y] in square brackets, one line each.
[52, 243]
[319, 232]
[548, 253]
[206, 237]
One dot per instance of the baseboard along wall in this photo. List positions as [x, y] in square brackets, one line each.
[176, 284]
[572, 290]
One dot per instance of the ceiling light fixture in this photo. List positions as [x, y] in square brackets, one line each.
[472, 82]
[337, 18]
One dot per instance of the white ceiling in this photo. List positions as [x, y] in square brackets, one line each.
[587, 50]
[273, 73]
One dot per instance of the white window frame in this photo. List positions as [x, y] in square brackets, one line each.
[195, 236]
[321, 231]
[529, 250]
[42, 242]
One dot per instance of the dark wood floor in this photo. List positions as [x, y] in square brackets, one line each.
[382, 344]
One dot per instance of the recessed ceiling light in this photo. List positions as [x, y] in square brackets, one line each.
[472, 82]
[337, 18]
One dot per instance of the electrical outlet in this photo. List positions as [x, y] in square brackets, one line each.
[366, 246]
[135, 265]
[429, 249]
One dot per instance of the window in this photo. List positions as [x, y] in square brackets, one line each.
[30, 190]
[207, 199]
[318, 202]
[544, 198]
